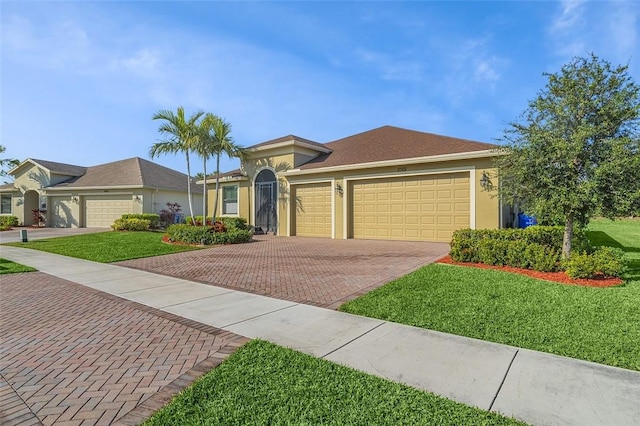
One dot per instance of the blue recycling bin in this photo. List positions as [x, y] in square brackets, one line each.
[525, 221]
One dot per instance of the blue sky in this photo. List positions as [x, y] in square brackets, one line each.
[80, 81]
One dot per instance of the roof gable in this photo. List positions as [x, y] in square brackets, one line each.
[51, 166]
[132, 172]
[391, 143]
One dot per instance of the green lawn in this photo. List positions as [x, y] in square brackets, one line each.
[107, 247]
[266, 384]
[594, 324]
[9, 267]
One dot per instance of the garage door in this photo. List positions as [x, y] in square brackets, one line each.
[313, 210]
[103, 210]
[426, 207]
[62, 213]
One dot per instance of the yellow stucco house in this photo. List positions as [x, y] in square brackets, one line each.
[76, 196]
[386, 183]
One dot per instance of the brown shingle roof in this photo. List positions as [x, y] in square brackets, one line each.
[391, 143]
[286, 139]
[61, 168]
[130, 172]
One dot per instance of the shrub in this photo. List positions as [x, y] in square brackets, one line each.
[154, 219]
[493, 252]
[133, 224]
[234, 222]
[605, 261]
[197, 220]
[168, 215]
[8, 221]
[541, 258]
[515, 254]
[206, 235]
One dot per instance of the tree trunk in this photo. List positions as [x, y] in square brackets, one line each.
[215, 206]
[189, 189]
[204, 195]
[568, 236]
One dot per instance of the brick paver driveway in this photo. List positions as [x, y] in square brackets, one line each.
[73, 355]
[316, 271]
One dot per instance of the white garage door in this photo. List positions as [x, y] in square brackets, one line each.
[104, 210]
[313, 210]
[426, 207]
[62, 213]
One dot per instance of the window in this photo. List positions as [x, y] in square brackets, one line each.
[5, 204]
[229, 200]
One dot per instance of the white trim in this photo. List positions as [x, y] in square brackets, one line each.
[292, 141]
[104, 194]
[333, 208]
[346, 220]
[107, 188]
[253, 198]
[472, 198]
[397, 162]
[332, 188]
[221, 198]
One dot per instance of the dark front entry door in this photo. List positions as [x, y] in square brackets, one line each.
[265, 190]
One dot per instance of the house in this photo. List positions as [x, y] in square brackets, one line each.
[386, 183]
[76, 196]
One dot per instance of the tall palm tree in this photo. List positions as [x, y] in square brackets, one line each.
[205, 150]
[223, 144]
[182, 135]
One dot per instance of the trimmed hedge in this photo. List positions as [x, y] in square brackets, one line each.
[205, 235]
[605, 261]
[535, 247]
[8, 221]
[132, 224]
[229, 222]
[154, 219]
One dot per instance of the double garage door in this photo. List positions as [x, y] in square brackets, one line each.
[102, 211]
[428, 207]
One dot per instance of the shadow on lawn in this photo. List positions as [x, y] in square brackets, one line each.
[599, 238]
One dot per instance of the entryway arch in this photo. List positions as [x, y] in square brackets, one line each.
[266, 188]
[31, 202]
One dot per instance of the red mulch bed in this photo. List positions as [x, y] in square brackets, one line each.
[558, 277]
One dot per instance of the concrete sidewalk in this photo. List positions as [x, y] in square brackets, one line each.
[535, 387]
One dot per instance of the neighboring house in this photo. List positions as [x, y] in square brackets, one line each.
[386, 183]
[76, 196]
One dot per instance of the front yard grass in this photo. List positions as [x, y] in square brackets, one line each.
[266, 384]
[9, 267]
[107, 247]
[595, 324]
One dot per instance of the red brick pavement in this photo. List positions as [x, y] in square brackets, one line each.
[73, 355]
[316, 271]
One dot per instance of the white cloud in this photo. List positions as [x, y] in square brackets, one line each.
[570, 16]
[622, 26]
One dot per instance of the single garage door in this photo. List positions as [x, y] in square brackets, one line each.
[428, 207]
[102, 210]
[62, 213]
[313, 210]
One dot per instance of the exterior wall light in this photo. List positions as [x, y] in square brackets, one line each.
[485, 181]
[339, 189]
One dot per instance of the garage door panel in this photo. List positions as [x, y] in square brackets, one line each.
[102, 211]
[314, 219]
[427, 207]
[62, 213]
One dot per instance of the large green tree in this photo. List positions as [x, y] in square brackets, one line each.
[182, 135]
[574, 152]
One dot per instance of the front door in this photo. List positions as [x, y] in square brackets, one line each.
[266, 205]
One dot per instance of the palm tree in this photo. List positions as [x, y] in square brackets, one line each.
[6, 162]
[182, 135]
[223, 144]
[205, 150]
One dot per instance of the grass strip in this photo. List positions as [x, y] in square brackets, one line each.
[9, 267]
[267, 384]
[107, 247]
[594, 324]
